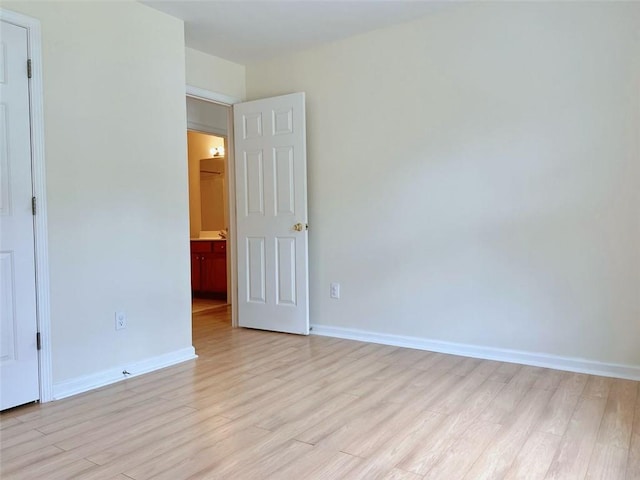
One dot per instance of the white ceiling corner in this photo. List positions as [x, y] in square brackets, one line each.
[246, 32]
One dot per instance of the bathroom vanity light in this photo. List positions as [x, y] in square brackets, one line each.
[217, 152]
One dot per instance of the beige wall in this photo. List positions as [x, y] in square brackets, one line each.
[215, 74]
[474, 177]
[199, 146]
[116, 182]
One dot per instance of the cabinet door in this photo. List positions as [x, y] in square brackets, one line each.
[196, 272]
[207, 278]
[219, 266]
[213, 273]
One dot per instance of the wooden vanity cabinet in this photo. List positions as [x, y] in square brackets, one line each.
[209, 268]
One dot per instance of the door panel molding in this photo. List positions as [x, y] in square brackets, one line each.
[34, 47]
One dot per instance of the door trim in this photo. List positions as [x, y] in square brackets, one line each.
[38, 180]
[216, 97]
[227, 101]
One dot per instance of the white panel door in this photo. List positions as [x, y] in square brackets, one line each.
[19, 382]
[271, 204]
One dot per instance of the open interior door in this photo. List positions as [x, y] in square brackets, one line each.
[19, 377]
[271, 203]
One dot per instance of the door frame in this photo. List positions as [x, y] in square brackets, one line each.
[38, 181]
[230, 175]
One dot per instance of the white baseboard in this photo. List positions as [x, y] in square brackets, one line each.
[106, 377]
[631, 372]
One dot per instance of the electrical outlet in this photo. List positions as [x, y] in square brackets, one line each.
[121, 321]
[334, 290]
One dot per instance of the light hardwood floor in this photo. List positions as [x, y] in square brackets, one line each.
[204, 305]
[263, 405]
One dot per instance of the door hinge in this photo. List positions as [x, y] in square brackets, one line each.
[28, 68]
[38, 344]
[33, 205]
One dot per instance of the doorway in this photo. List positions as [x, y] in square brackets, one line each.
[267, 258]
[208, 152]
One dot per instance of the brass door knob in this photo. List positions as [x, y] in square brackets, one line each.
[299, 227]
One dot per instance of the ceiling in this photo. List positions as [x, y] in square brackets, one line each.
[251, 31]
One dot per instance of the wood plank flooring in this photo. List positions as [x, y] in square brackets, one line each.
[204, 305]
[261, 405]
